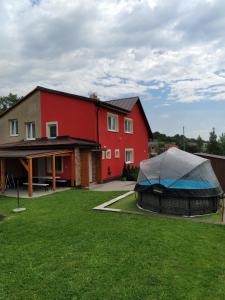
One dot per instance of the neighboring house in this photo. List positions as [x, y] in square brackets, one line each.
[156, 147]
[153, 147]
[218, 165]
[79, 139]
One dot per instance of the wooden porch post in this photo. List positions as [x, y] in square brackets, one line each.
[30, 177]
[53, 174]
[2, 183]
[73, 170]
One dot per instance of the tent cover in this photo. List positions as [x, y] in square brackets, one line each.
[180, 170]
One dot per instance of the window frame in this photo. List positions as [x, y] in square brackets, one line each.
[48, 124]
[116, 123]
[117, 153]
[49, 165]
[32, 124]
[108, 154]
[103, 154]
[132, 125]
[11, 121]
[132, 156]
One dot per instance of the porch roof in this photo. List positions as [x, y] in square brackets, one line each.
[60, 142]
[31, 153]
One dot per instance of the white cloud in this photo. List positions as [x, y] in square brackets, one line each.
[114, 47]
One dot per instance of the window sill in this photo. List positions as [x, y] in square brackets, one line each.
[31, 139]
[129, 132]
[13, 135]
[113, 130]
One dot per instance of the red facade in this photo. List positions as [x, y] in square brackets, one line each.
[86, 120]
[138, 141]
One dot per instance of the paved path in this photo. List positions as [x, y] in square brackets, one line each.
[115, 185]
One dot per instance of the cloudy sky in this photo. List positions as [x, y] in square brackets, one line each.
[171, 53]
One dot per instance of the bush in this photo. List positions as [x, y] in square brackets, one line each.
[130, 173]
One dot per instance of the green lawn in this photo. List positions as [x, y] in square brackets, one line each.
[61, 249]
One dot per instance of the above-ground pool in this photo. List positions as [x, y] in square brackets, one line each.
[178, 182]
[182, 197]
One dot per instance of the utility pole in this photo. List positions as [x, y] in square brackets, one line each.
[183, 139]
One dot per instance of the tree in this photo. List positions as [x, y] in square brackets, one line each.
[222, 144]
[199, 143]
[213, 145]
[7, 101]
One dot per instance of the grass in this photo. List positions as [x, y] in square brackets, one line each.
[61, 249]
[129, 203]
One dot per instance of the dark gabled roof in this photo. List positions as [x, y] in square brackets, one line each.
[73, 96]
[45, 143]
[207, 155]
[126, 103]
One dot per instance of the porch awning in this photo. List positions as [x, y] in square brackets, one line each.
[32, 153]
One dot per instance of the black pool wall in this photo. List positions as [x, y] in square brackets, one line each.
[177, 206]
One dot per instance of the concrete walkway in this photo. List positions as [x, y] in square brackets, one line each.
[36, 194]
[115, 185]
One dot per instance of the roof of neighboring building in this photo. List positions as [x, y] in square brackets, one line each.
[45, 143]
[210, 155]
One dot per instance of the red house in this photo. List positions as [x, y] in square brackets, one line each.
[71, 138]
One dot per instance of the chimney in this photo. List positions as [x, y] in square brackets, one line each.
[93, 95]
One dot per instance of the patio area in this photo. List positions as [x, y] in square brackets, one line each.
[115, 185]
[36, 193]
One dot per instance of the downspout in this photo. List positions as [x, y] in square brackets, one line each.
[97, 121]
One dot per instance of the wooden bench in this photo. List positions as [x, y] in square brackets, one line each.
[62, 181]
[34, 184]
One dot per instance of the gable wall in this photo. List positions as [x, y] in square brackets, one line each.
[27, 111]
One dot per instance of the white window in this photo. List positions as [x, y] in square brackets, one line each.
[117, 153]
[52, 130]
[58, 164]
[30, 131]
[128, 125]
[13, 127]
[108, 154]
[103, 154]
[129, 156]
[112, 121]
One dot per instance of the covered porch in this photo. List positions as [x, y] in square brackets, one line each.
[21, 168]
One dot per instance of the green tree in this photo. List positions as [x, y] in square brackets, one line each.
[213, 145]
[199, 143]
[7, 101]
[222, 144]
